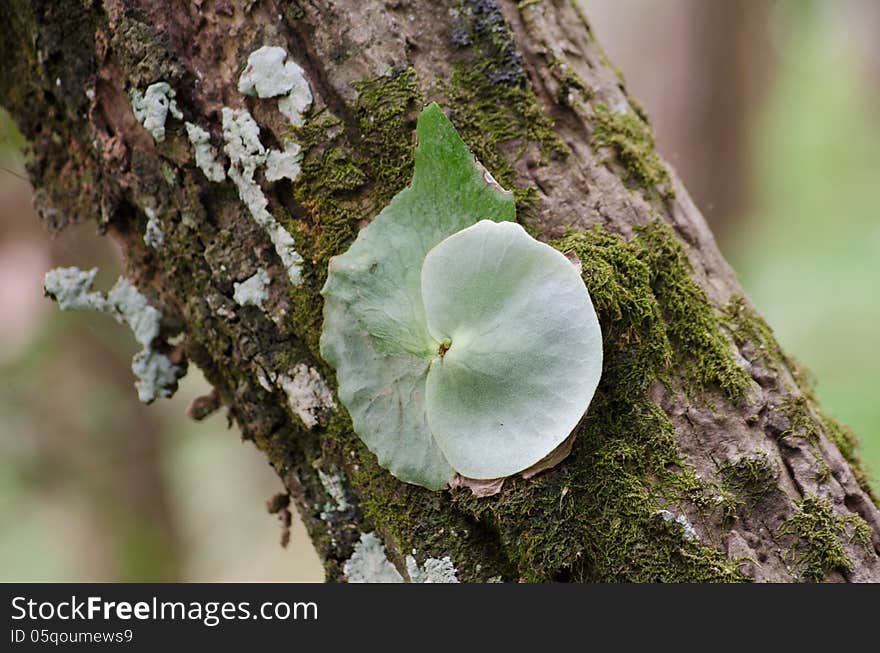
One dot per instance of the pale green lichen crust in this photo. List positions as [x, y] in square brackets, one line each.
[266, 75]
[434, 570]
[71, 287]
[286, 164]
[686, 527]
[155, 373]
[254, 290]
[132, 308]
[308, 394]
[269, 73]
[369, 564]
[205, 154]
[334, 485]
[246, 154]
[152, 107]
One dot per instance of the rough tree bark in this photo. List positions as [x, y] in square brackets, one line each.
[704, 455]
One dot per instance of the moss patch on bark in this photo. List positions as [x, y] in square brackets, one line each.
[817, 534]
[633, 143]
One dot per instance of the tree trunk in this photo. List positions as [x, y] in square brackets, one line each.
[703, 457]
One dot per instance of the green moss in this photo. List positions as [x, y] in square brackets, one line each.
[639, 109]
[353, 168]
[751, 332]
[661, 317]
[648, 290]
[620, 280]
[757, 343]
[493, 117]
[385, 112]
[569, 83]
[750, 478]
[803, 424]
[356, 163]
[492, 106]
[488, 118]
[807, 423]
[693, 325]
[633, 143]
[369, 155]
[818, 534]
[712, 501]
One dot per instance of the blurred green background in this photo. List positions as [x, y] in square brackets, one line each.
[768, 110]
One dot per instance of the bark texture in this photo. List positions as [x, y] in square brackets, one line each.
[704, 456]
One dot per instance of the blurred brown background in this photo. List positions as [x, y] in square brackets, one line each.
[770, 111]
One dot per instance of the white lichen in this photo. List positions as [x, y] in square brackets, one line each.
[689, 532]
[284, 164]
[129, 306]
[334, 486]
[286, 248]
[152, 107]
[266, 74]
[293, 106]
[242, 136]
[369, 563]
[269, 74]
[206, 156]
[307, 394]
[71, 287]
[254, 290]
[433, 571]
[246, 154]
[155, 373]
[153, 235]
